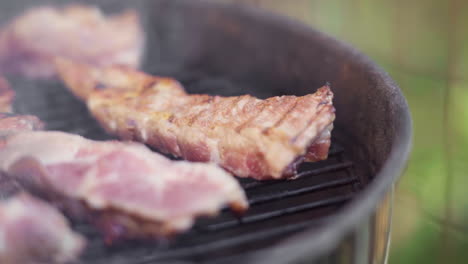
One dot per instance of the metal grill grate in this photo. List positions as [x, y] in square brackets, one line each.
[278, 208]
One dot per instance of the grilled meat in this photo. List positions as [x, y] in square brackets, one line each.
[123, 188]
[28, 43]
[33, 232]
[247, 136]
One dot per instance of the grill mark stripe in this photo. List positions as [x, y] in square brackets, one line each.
[241, 127]
[281, 120]
[316, 116]
[195, 118]
[236, 102]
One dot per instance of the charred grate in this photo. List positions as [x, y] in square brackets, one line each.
[278, 208]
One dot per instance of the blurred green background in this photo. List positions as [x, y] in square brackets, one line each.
[423, 44]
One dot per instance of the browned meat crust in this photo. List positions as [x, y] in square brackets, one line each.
[245, 135]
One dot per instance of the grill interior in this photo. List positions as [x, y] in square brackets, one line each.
[278, 208]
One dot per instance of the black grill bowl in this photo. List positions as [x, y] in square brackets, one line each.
[337, 211]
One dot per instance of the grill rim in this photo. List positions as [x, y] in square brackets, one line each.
[316, 243]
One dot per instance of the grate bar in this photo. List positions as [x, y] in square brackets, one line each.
[295, 192]
[324, 169]
[335, 150]
[276, 213]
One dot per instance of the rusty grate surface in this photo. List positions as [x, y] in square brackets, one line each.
[278, 208]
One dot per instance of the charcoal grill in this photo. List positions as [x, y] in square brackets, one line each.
[337, 210]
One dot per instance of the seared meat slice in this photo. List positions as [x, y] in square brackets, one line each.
[124, 188]
[247, 136]
[6, 95]
[28, 43]
[33, 232]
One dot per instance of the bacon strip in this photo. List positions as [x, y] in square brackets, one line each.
[28, 43]
[247, 136]
[129, 191]
[34, 232]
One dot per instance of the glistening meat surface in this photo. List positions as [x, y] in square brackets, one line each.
[247, 136]
[33, 232]
[79, 32]
[129, 191]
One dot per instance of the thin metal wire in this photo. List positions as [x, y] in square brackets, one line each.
[329, 168]
[290, 193]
